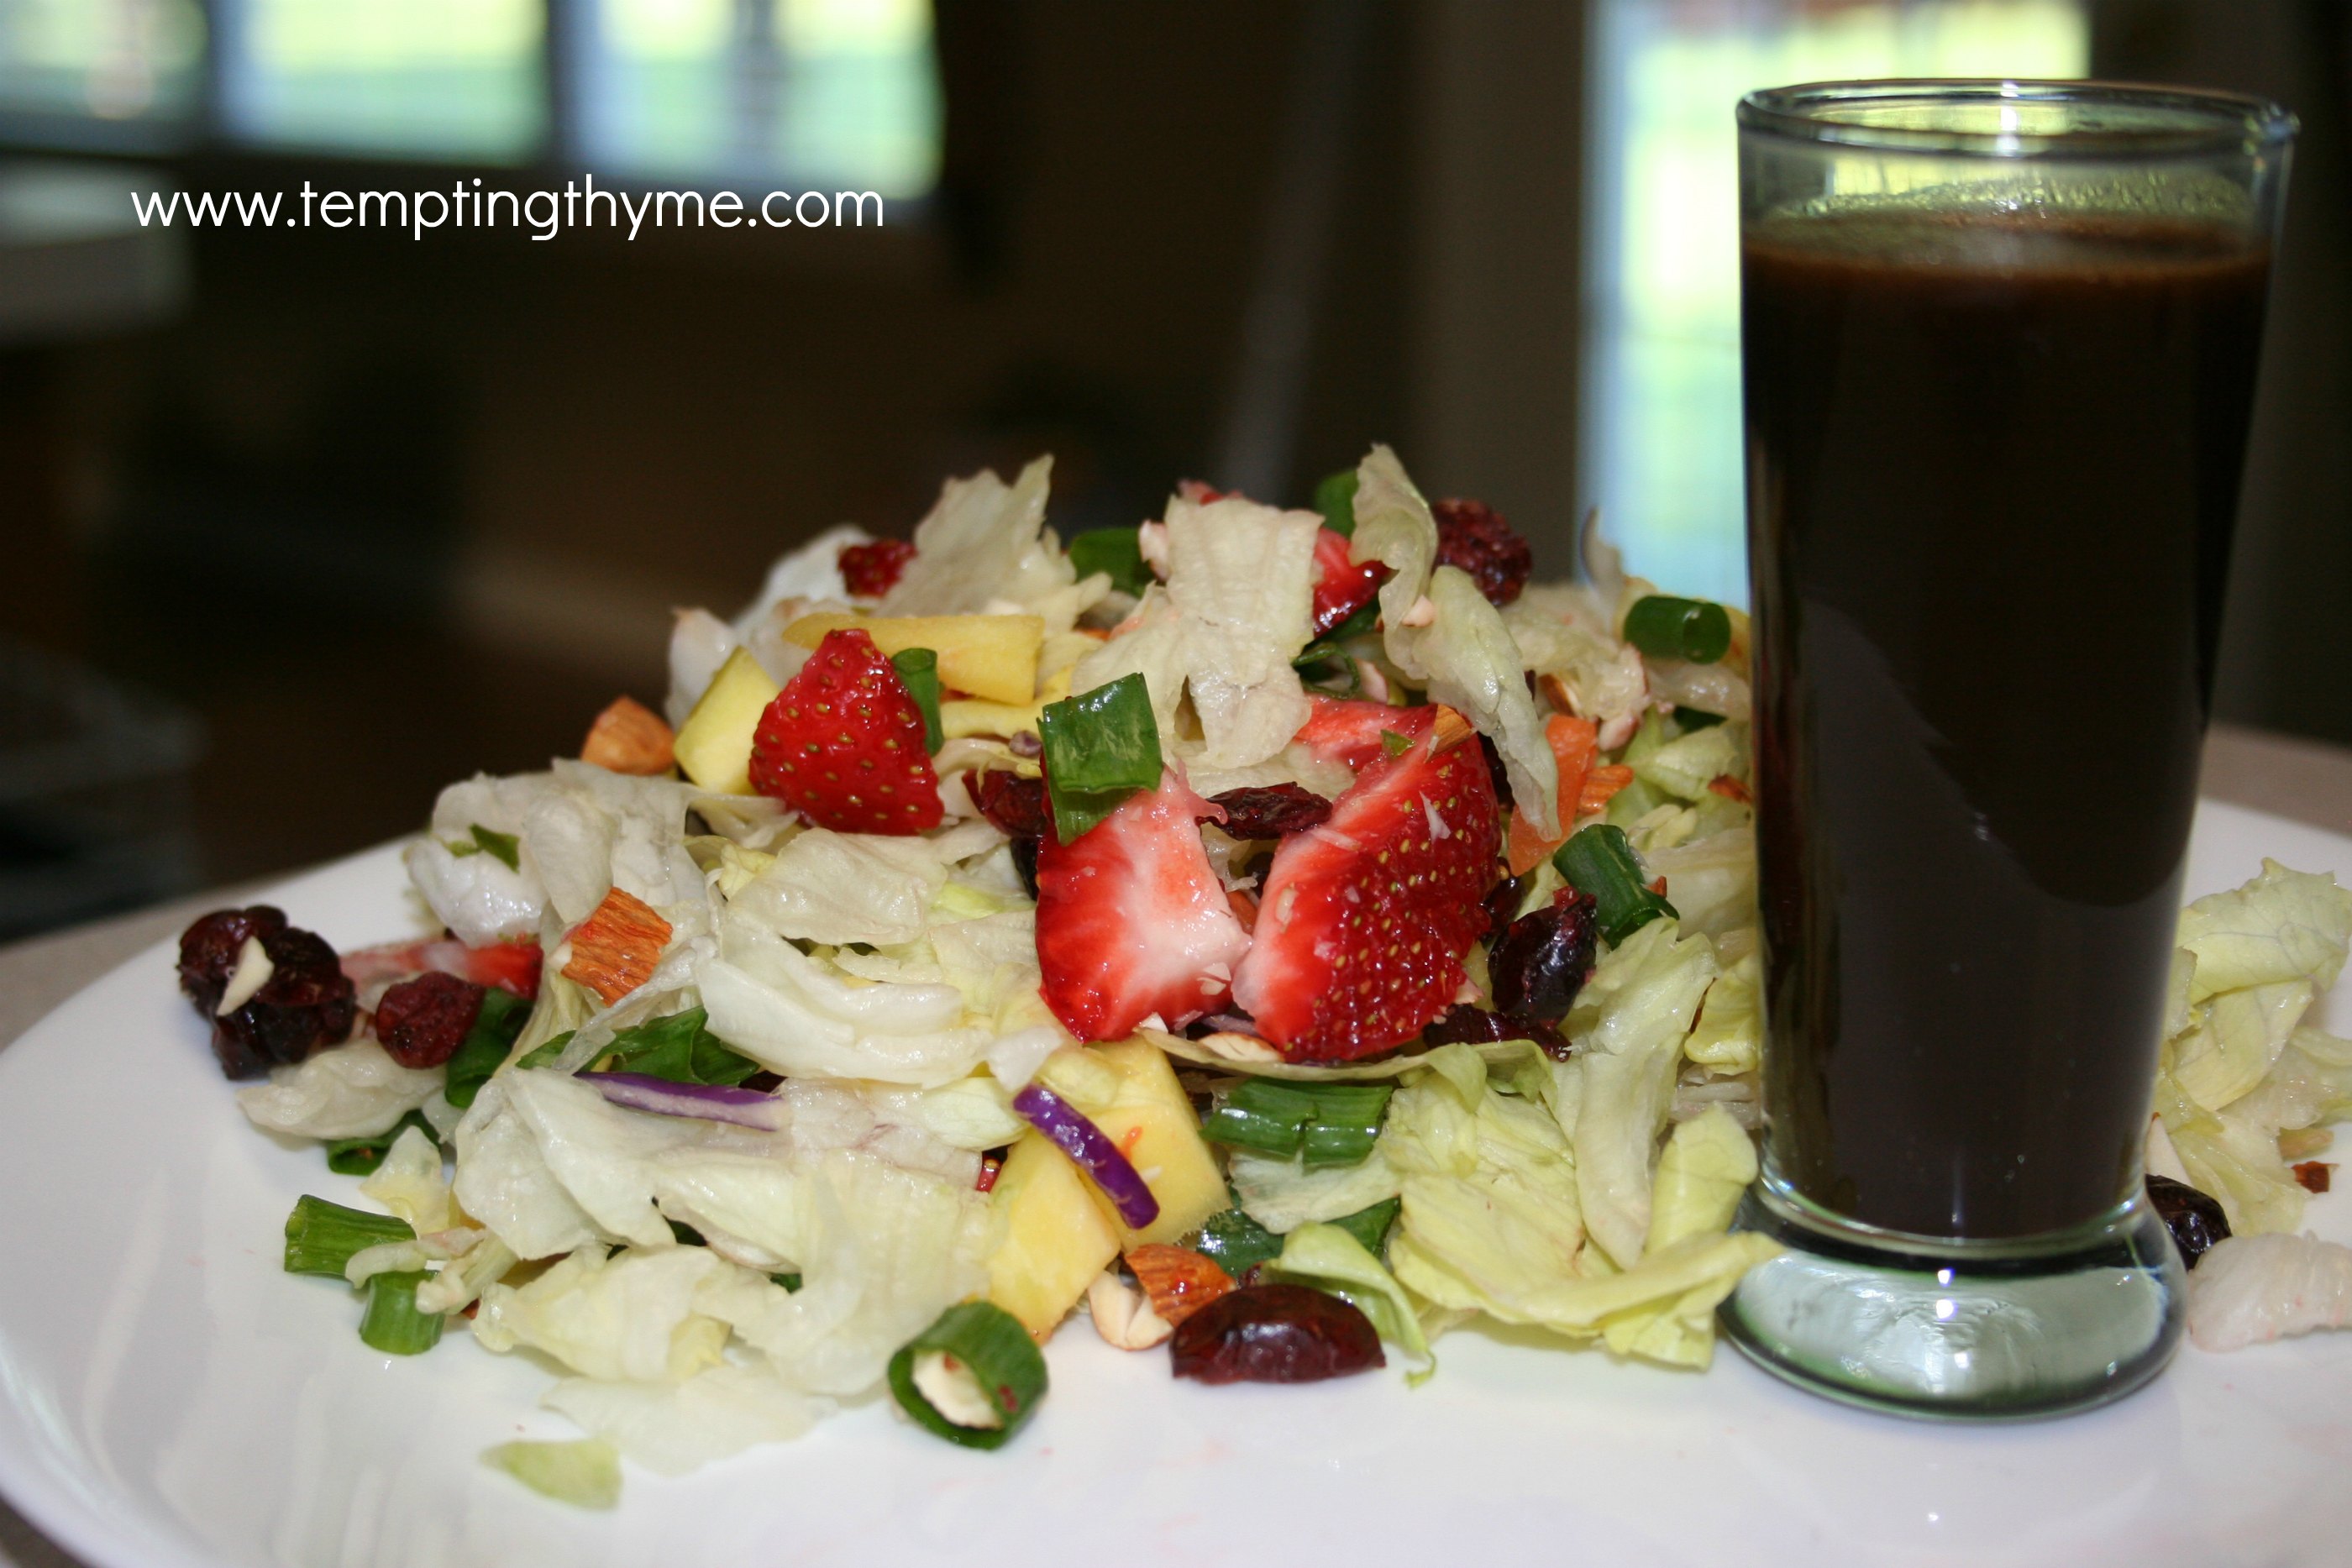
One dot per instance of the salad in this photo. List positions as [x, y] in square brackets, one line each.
[1278, 935]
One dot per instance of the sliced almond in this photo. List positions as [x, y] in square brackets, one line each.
[630, 737]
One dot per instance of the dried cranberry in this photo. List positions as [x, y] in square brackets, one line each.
[307, 1002]
[1014, 805]
[1539, 962]
[2195, 1220]
[872, 569]
[1497, 772]
[1273, 1334]
[2313, 1175]
[422, 1021]
[1502, 903]
[1473, 537]
[1271, 811]
[1463, 1024]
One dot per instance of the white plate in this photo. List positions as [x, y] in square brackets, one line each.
[172, 1399]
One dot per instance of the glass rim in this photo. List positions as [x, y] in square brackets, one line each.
[2189, 120]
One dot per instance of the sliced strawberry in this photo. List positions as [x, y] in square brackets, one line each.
[843, 743]
[1132, 920]
[1364, 920]
[1348, 730]
[1342, 587]
[873, 569]
[511, 965]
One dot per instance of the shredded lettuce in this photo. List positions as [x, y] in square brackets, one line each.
[1329, 1259]
[351, 1090]
[409, 1183]
[585, 1473]
[2283, 925]
[1283, 1194]
[627, 1317]
[1242, 576]
[672, 1430]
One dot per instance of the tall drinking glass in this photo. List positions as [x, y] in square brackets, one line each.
[2000, 343]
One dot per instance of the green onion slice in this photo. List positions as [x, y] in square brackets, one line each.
[1691, 719]
[919, 672]
[392, 1324]
[484, 1050]
[1600, 861]
[983, 1341]
[1236, 1242]
[1117, 552]
[585, 1473]
[1101, 748]
[1369, 1227]
[322, 1237]
[498, 846]
[1668, 628]
[1335, 497]
[360, 1156]
[679, 1047]
[1323, 1123]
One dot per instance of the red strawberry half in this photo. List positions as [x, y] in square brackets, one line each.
[1364, 920]
[873, 569]
[1348, 730]
[1131, 921]
[1342, 587]
[843, 744]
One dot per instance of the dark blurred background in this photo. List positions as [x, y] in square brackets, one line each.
[301, 524]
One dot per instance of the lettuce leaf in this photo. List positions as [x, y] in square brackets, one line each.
[671, 1430]
[779, 1006]
[2225, 1053]
[1467, 660]
[408, 1183]
[1242, 576]
[1711, 879]
[586, 1474]
[1327, 1258]
[1730, 1035]
[1639, 1001]
[2283, 925]
[628, 1317]
[983, 540]
[1283, 1194]
[351, 1090]
[2251, 1290]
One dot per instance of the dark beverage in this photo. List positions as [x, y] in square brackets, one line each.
[1994, 463]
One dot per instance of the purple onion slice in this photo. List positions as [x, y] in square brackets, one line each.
[706, 1101]
[1093, 1152]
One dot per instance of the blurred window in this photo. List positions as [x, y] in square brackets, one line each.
[822, 90]
[430, 78]
[101, 59]
[842, 93]
[1662, 423]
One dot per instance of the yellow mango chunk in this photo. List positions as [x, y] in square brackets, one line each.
[960, 716]
[714, 745]
[990, 656]
[1053, 1237]
[1150, 1119]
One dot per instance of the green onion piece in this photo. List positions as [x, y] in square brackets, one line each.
[1335, 497]
[1003, 1358]
[1117, 552]
[1236, 1242]
[1692, 720]
[360, 1156]
[791, 1282]
[485, 1047]
[392, 1324]
[1101, 748]
[1326, 1123]
[545, 1053]
[1600, 861]
[679, 1048]
[1369, 1227]
[1667, 628]
[685, 1235]
[585, 1473]
[1394, 745]
[322, 1237]
[919, 672]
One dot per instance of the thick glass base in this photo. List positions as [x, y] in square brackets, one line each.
[1986, 1330]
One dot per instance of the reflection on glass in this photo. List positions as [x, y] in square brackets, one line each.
[429, 78]
[834, 92]
[1662, 424]
[114, 59]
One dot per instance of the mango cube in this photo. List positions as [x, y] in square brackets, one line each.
[993, 657]
[1150, 1119]
[714, 745]
[1052, 1236]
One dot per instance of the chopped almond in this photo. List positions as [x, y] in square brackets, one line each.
[1244, 905]
[614, 951]
[1121, 1315]
[1448, 730]
[1179, 1281]
[1554, 691]
[630, 737]
[2301, 1143]
[1599, 785]
[1731, 789]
